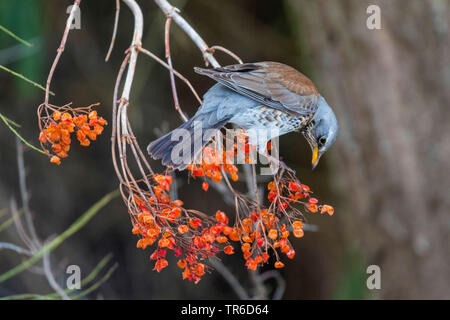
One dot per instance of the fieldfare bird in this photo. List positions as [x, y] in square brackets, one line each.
[262, 95]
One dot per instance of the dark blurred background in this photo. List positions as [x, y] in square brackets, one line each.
[387, 176]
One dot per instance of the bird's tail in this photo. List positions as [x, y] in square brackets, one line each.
[180, 147]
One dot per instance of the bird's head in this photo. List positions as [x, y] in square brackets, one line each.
[321, 131]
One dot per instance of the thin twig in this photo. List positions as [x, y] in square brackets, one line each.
[18, 223]
[51, 278]
[77, 225]
[75, 7]
[172, 12]
[227, 51]
[136, 43]
[169, 62]
[116, 23]
[16, 248]
[25, 198]
[179, 75]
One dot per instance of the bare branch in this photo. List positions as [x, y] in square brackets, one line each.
[172, 12]
[227, 51]
[172, 78]
[35, 243]
[75, 7]
[51, 278]
[16, 248]
[116, 24]
[179, 75]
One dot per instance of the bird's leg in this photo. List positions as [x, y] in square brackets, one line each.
[276, 163]
[286, 167]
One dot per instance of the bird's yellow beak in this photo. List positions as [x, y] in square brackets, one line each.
[315, 157]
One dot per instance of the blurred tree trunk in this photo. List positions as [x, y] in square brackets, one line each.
[389, 88]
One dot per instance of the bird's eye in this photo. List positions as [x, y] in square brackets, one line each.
[322, 140]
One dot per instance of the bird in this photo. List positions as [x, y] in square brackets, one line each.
[261, 96]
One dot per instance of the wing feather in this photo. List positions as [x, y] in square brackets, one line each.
[274, 84]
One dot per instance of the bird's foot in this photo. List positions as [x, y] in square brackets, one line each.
[275, 164]
[286, 167]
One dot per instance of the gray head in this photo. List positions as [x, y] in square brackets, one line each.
[321, 131]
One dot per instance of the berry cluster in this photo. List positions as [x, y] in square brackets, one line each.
[193, 236]
[61, 122]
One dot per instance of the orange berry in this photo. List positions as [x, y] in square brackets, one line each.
[178, 203]
[163, 243]
[245, 247]
[102, 121]
[328, 209]
[92, 136]
[293, 186]
[290, 254]
[227, 230]
[297, 225]
[153, 232]
[182, 263]
[200, 269]
[186, 273]
[42, 137]
[175, 212]
[205, 186]
[247, 254]
[198, 172]
[62, 154]
[272, 186]
[85, 128]
[98, 129]
[273, 234]
[195, 223]
[81, 135]
[252, 265]
[259, 259]
[85, 142]
[221, 239]
[228, 250]
[56, 160]
[136, 229]
[56, 115]
[298, 233]
[160, 264]
[272, 195]
[56, 148]
[221, 217]
[312, 207]
[234, 236]
[279, 265]
[183, 228]
[66, 116]
[93, 115]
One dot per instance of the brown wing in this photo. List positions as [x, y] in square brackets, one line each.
[274, 84]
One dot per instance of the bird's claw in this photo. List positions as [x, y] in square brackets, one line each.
[286, 167]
